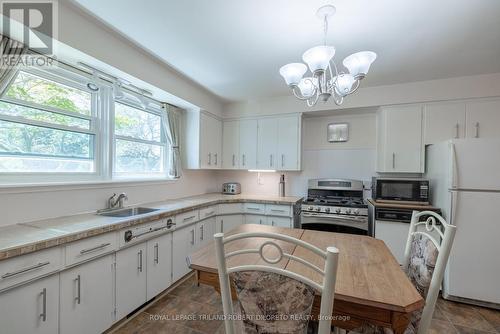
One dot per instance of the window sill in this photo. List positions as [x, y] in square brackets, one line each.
[64, 186]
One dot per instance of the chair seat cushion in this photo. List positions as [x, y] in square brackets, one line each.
[272, 303]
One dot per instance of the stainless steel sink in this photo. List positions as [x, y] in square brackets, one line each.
[127, 212]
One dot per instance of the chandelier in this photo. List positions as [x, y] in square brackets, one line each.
[326, 82]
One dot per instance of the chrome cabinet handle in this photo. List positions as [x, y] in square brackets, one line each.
[157, 253]
[43, 315]
[221, 225]
[251, 208]
[24, 270]
[88, 250]
[272, 222]
[209, 213]
[456, 130]
[140, 261]
[476, 126]
[271, 160]
[192, 237]
[215, 158]
[282, 160]
[278, 210]
[209, 158]
[188, 218]
[234, 160]
[393, 160]
[201, 232]
[78, 297]
[244, 160]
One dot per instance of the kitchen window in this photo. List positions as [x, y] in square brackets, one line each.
[139, 145]
[53, 128]
[47, 125]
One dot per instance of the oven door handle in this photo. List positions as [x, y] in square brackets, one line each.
[332, 216]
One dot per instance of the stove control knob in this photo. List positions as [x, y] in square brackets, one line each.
[327, 210]
[337, 210]
[356, 211]
[348, 211]
[310, 208]
[318, 209]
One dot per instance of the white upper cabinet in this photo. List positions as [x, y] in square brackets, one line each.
[483, 119]
[444, 121]
[400, 146]
[267, 143]
[248, 144]
[201, 140]
[231, 144]
[289, 143]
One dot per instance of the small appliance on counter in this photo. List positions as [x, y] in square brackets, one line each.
[231, 188]
[282, 186]
[400, 190]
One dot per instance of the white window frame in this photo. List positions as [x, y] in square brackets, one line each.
[72, 80]
[153, 108]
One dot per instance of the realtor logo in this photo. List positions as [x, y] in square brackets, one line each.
[32, 23]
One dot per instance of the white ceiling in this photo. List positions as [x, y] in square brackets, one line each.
[235, 48]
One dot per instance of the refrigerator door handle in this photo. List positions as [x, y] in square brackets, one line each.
[454, 167]
[454, 203]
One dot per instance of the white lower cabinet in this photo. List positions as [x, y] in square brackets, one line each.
[394, 234]
[86, 297]
[255, 219]
[32, 308]
[184, 243]
[228, 222]
[159, 264]
[206, 231]
[130, 279]
[279, 221]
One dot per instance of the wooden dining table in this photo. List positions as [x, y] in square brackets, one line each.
[370, 286]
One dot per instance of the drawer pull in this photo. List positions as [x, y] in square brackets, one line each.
[250, 208]
[278, 210]
[43, 315]
[188, 218]
[209, 213]
[88, 250]
[22, 271]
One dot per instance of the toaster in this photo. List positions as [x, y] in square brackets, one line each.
[231, 188]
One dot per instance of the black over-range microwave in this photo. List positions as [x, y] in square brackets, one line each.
[391, 190]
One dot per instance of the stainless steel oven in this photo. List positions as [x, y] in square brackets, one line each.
[335, 223]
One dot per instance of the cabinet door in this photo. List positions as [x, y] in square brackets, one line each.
[255, 219]
[87, 302]
[228, 222]
[183, 243]
[288, 143]
[216, 140]
[394, 234]
[31, 308]
[403, 140]
[130, 279]
[231, 145]
[159, 264]
[483, 119]
[444, 121]
[279, 221]
[205, 231]
[267, 143]
[248, 144]
[206, 156]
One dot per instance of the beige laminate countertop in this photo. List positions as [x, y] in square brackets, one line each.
[23, 238]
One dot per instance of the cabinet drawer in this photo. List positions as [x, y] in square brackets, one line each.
[279, 221]
[187, 218]
[26, 267]
[230, 208]
[208, 212]
[254, 208]
[255, 219]
[278, 210]
[85, 249]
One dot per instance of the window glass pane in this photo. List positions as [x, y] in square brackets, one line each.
[138, 158]
[31, 88]
[137, 123]
[26, 148]
[41, 115]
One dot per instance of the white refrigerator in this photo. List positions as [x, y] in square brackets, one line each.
[465, 184]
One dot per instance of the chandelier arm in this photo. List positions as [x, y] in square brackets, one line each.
[300, 97]
[357, 84]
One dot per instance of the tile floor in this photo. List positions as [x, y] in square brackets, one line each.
[193, 301]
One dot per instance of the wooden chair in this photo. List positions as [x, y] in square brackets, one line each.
[270, 290]
[426, 255]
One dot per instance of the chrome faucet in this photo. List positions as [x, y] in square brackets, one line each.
[118, 202]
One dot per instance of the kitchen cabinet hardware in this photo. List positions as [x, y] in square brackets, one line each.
[78, 297]
[192, 236]
[456, 131]
[140, 261]
[189, 218]
[24, 270]
[88, 250]
[476, 127]
[157, 253]
[43, 315]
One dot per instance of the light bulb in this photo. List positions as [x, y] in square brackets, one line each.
[359, 63]
[343, 83]
[293, 72]
[308, 86]
[318, 58]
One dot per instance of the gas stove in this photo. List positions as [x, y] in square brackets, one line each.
[335, 205]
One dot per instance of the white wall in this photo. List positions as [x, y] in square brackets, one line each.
[354, 159]
[23, 205]
[487, 85]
